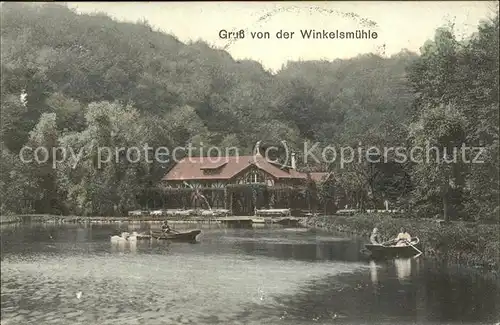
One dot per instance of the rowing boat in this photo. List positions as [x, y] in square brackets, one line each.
[392, 251]
[178, 236]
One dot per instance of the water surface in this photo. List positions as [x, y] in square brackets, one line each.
[73, 274]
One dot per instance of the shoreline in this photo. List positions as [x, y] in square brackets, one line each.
[45, 218]
[454, 243]
[40, 218]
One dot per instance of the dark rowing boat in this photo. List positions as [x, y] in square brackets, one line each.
[174, 235]
[189, 236]
[392, 251]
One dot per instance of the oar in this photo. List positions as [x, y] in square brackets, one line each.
[418, 250]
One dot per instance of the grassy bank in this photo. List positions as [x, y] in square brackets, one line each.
[47, 218]
[27, 218]
[475, 245]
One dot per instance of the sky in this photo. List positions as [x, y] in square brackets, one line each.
[399, 25]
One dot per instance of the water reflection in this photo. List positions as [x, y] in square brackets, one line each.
[373, 272]
[82, 235]
[123, 246]
[133, 247]
[403, 268]
[235, 276]
[118, 247]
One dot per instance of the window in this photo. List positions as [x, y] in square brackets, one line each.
[254, 177]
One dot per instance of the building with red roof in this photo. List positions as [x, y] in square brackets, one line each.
[218, 173]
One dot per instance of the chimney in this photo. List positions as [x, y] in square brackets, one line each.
[257, 149]
[294, 165]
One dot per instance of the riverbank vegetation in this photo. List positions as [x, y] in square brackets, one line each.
[86, 81]
[472, 244]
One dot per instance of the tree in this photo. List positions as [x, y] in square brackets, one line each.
[112, 169]
[437, 172]
[18, 191]
[43, 143]
[459, 80]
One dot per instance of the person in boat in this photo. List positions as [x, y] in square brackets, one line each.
[403, 238]
[375, 237]
[165, 228]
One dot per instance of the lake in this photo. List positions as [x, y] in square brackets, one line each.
[73, 274]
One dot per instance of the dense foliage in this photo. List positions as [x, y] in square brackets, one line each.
[460, 242]
[86, 81]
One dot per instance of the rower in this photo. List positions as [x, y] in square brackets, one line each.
[375, 237]
[403, 238]
[165, 227]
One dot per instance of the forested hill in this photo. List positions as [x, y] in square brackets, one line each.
[92, 80]
[51, 50]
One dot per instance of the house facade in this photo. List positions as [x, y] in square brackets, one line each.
[224, 183]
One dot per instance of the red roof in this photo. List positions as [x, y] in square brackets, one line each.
[193, 168]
